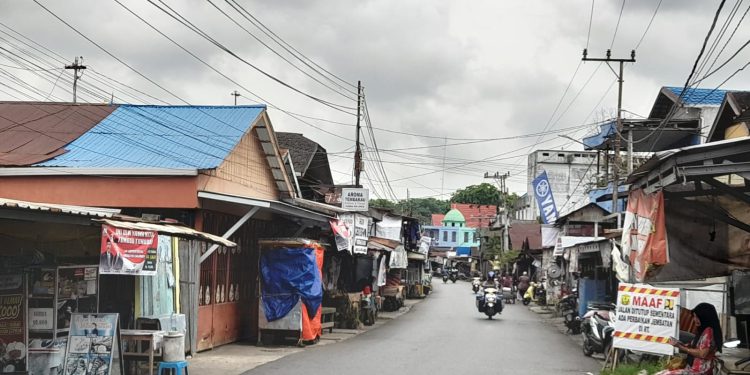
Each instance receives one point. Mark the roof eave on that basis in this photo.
(73, 171)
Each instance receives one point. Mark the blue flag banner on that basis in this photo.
(544, 199)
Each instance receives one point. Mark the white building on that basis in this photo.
(570, 174)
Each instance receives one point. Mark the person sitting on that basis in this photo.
(702, 350)
(490, 282)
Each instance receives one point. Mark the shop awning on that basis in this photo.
(174, 230)
(231, 203)
(382, 244)
(415, 256)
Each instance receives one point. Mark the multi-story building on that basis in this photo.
(453, 234)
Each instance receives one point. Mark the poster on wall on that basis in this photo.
(342, 233)
(647, 318)
(93, 345)
(12, 330)
(361, 228)
(128, 251)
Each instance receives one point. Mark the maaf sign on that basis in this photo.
(646, 318)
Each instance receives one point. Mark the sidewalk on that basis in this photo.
(547, 315)
(237, 358)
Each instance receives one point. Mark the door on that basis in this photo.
(219, 298)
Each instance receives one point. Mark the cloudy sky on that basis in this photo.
(435, 72)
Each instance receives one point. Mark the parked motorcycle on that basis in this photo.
(445, 278)
(568, 306)
(536, 293)
(475, 284)
(489, 303)
(597, 327)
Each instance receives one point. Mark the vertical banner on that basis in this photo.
(93, 345)
(646, 318)
(544, 199)
(12, 328)
(361, 229)
(644, 232)
(128, 251)
(342, 234)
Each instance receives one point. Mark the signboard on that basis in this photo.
(128, 251)
(361, 229)
(93, 345)
(424, 245)
(40, 318)
(12, 329)
(544, 199)
(647, 318)
(355, 199)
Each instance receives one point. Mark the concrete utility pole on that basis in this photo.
(358, 151)
(76, 67)
(500, 180)
(616, 171)
(235, 93)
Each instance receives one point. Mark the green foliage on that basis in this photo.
(493, 251)
(628, 369)
(419, 208)
(484, 193)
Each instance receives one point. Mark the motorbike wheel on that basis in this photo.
(526, 301)
(454, 281)
(587, 349)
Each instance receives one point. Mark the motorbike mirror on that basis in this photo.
(732, 343)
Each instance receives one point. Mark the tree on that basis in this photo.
(418, 208)
(484, 193)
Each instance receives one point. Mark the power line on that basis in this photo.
(617, 26)
(648, 27)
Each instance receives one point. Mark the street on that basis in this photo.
(445, 334)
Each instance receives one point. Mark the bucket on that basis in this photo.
(173, 349)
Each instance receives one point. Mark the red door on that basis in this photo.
(219, 317)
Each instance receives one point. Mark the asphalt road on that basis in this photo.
(446, 335)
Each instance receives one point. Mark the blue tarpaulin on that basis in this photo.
(289, 274)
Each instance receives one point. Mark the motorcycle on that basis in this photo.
(568, 306)
(453, 274)
(535, 293)
(445, 278)
(475, 284)
(489, 303)
(597, 327)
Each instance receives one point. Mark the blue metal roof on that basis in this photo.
(605, 131)
(147, 136)
(700, 96)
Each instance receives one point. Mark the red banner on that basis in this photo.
(128, 251)
(644, 233)
(12, 329)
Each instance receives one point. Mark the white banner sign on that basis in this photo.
(355, 199)
(647, 318)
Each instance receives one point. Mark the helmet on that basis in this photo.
(524, 273)
(491, 274)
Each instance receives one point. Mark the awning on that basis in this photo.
(174, 230)
(382, 244)
(565, 242)
(415, 256)
(224, 203)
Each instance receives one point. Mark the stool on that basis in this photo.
(176, 366)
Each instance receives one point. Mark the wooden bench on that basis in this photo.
(327, 318)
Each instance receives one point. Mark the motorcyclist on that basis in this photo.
(490, 282)
(523, 284)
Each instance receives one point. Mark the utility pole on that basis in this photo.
(500, 180)
(76, 67)
(358, 150)
(615, 170)
(235, 94)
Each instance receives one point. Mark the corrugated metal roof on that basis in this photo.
(176, 230)
(179, 137)
(60, 208)
(700, 96)
(32, 132)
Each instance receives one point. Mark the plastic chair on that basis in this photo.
(178, 368)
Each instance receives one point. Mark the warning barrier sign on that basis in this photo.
(646, 318)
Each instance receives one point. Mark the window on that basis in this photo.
(453, 236)
(445, 236)
(466, 237)
(476, 236)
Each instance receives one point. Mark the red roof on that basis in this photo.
(476, 215)
(33, 132)
(437, 219)
(519, 233)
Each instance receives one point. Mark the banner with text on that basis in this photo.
(12, 327)
(355, 199)
(128, 251)
(647, 318)
(544, 199)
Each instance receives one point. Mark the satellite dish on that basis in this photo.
(554, 272)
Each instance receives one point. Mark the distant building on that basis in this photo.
(308, 162)
(476, 215)
(453, 234)
(570, 175)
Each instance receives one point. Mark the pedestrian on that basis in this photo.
(702, 350)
